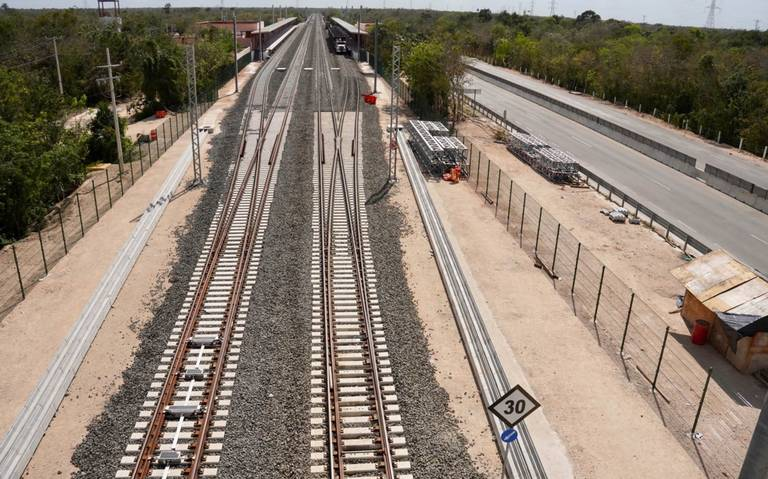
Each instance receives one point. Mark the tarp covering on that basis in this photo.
(737, 326)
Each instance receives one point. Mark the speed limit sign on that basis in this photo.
(514, 406)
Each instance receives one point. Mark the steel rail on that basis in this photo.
(149, 445)
(521, 460)
(356, 238)
(333, 438)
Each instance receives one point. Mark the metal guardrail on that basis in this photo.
(670, 230)
(521, 459)
(687, 159)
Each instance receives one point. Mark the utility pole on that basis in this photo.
(58, 67)
(273, 13)
(261, 45)
(552, 6)
(234, 45)
(376, 56)
(118, 136)
(393, 113)
(532, 5)
(755, 465)
(757, 25)
(192, 96)
(359, 20)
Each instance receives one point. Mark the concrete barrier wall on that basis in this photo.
(674, 159)
(725, 182)
(735, 187)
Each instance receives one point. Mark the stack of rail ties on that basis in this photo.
(435, 150)
(553, 164)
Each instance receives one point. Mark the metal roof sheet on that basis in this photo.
(348, 26)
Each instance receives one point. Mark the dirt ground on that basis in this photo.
(448, 356)
(642, 260)
(585, 396)
(32, 332)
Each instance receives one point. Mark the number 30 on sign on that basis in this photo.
(514, 406)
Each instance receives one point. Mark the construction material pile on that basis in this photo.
(434, 149)
(550, 162)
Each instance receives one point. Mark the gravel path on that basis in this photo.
(99, 454)
(437, 448)
(267, 432)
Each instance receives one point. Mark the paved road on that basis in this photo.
(750, 168)
(710, 216)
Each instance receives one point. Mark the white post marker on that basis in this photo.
(514, 406)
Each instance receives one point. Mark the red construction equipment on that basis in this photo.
(369, 98)
(453, 175)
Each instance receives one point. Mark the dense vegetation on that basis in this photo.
(714, 78)
(41, 160)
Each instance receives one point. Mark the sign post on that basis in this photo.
(514, 406)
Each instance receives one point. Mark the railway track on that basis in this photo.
(181, 424)
(356, 429)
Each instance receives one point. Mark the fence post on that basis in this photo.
(63, 236)
(177, 126)
(719, 133)
(165, 147)
(626, 325)
(557, 242)
(42, 251)
(498, 190)
(661, 356)
(765, 151)
(599, 293)
(653, 216)
(157, 148)
(509, 205)
(109, 188)
(538, 230)
(576, 268)
(687, 238)
(132, 180)
(701, 401)
(80, 214)
(522, 217)
(741, 143)
(120, 175)
(95, 201)
(487, 177)
(18, 272)
(669, 118)
(141, 163)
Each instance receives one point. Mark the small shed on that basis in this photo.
(733, 299)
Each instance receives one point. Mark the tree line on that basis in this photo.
(714, 78)
(41, 158)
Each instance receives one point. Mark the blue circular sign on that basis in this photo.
(510, 435)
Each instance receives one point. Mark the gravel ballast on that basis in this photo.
(267, 433)
(99, 454)
(436, 446)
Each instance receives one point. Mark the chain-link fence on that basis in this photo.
(24, 262)
(710, 424)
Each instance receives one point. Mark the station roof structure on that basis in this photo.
(348, 27)
(275, 26)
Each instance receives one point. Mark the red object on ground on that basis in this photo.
(160, 113)
(369, 98)
(153, 134)
(700, 332)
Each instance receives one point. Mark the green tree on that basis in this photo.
(101, 144)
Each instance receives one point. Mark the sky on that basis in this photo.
(731, 14)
